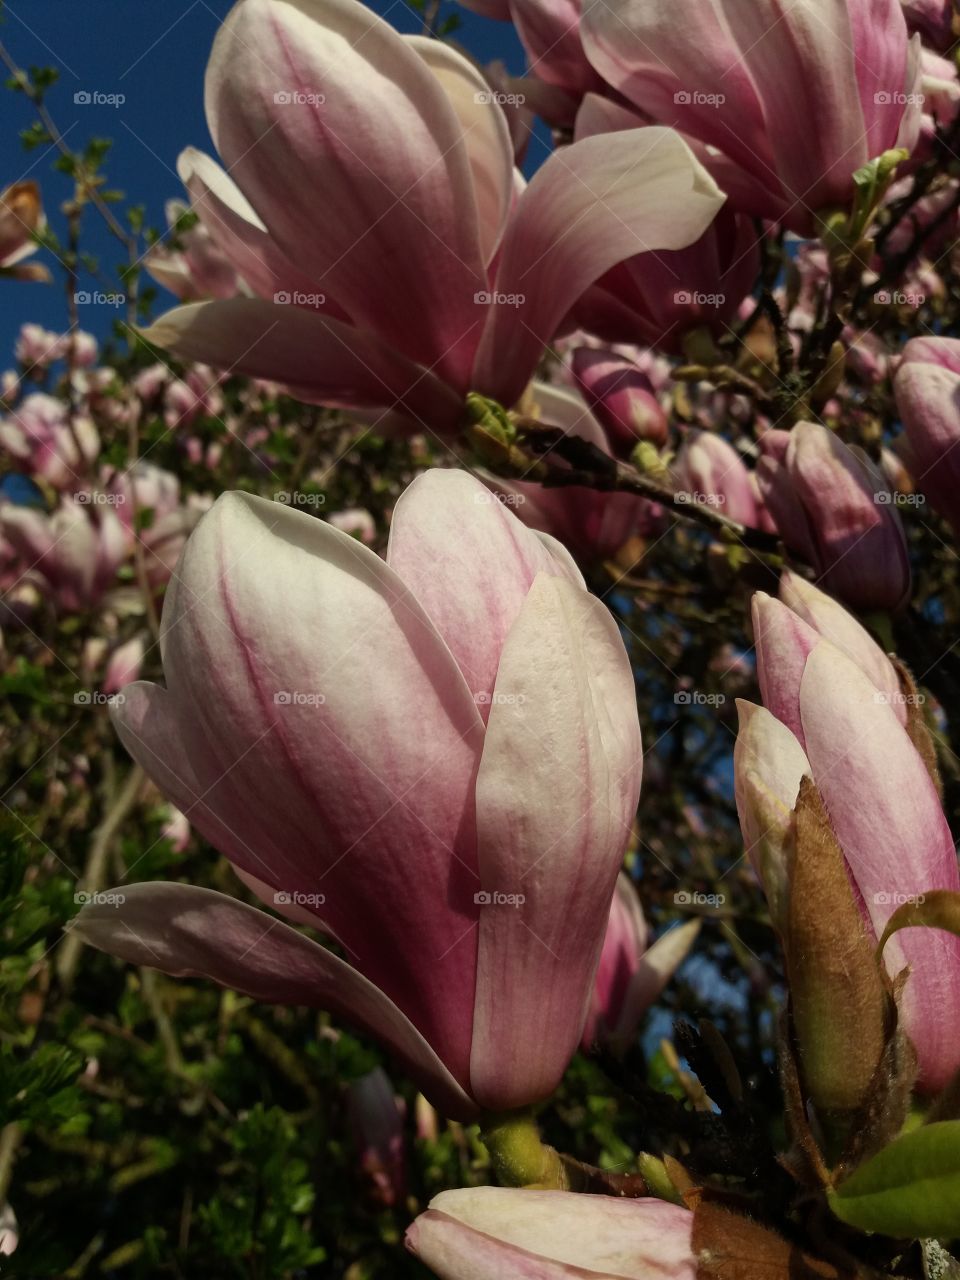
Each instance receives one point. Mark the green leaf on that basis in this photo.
(910, 1189)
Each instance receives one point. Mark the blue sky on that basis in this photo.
(154, 55)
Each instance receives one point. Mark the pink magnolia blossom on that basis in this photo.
(710, 470)
(199, 269)
(355, 521)
(21, 217)
(592, 524)
(748, 80)
(394, 263)
(935, 20)
(489, 1233)
(621, 396)
(927, 390)
(151, 511)
(832, 507)
(376, 1118)
(631, 973)
(76, 550)
(883, 808)
(38, 434)
(435, 760)
(124, 665)
(38, 348)
(660, 298)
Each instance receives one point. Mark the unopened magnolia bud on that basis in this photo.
(837, 995)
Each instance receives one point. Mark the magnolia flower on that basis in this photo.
(124, 665)
(395, 263)
(356, 521)
(21, 217)
(831, 506)
(631, 973)
(434, 760)
(488, 1233)
(39, 435)
(935, 20)
(592, 524)
(660, 298)
(746, 81)
(76, 551)
(927, 390)
(711, 471)
(549, 31)
(376, 1118)
(146, 488)
(38, 348)
(833, 724)
(199, 268)
(621, 396)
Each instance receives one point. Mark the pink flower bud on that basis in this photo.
(927, 389)
(832, 507)
(621, 397)
(489, 1233)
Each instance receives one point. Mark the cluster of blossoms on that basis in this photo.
(432, 757)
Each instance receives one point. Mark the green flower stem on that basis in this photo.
(519, 1157)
